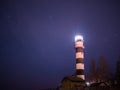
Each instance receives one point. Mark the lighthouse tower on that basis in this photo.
(79, 46)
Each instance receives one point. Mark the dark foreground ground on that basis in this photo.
(86, 88)
(77, 88)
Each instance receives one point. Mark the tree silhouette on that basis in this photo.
(100, 71)
(92, 70)
(103, 69)
(118, 72)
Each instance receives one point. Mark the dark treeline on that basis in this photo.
(100, 72)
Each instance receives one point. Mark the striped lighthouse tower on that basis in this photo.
(79, 46)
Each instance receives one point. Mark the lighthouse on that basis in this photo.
(79, 48)
(77, 80)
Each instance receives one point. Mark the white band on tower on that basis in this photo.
(79, 55)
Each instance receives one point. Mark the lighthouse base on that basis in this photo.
(72, 83)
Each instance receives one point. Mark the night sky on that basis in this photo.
(37, 38)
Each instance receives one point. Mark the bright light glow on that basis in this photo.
(87, 83)
(78, 37)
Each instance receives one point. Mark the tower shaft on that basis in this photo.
(79, 47)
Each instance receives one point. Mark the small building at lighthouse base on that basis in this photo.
(72, 83)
